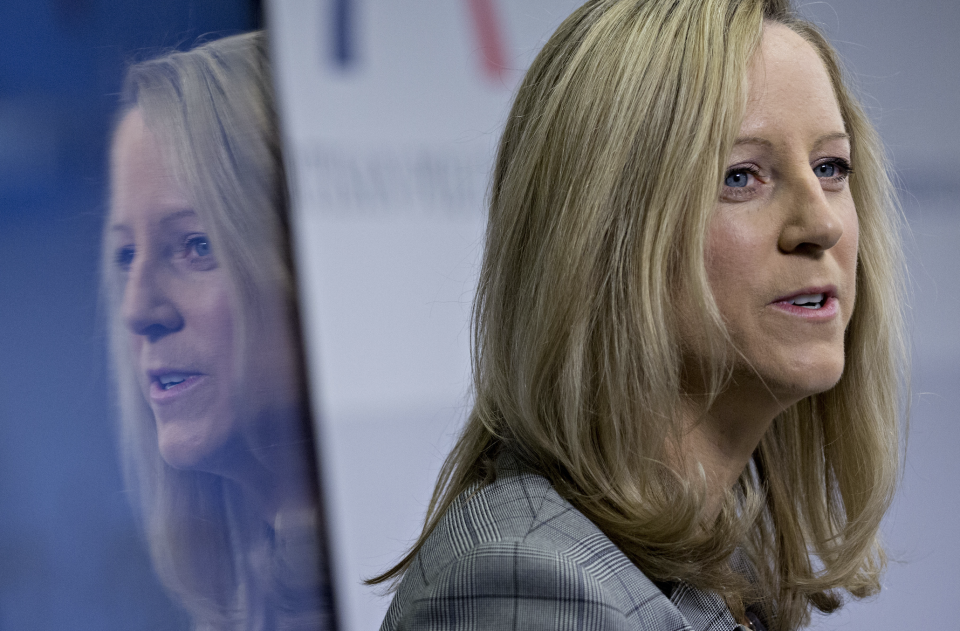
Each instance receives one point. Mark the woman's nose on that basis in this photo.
(812, 224)
(147, 308)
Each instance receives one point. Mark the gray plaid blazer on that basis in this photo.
(516, 555)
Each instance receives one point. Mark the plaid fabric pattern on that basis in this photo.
(516, 556)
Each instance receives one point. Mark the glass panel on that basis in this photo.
(212, 519)
(215, 436)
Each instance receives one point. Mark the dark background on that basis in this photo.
(71, 556)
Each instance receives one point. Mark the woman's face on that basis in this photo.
(177, 304)
(781, 249)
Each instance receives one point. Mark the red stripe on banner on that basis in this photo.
(493, 57)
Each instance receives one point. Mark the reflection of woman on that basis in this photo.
(212, 407)
(681, 419)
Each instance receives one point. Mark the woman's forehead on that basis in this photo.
(789, 89)
(142, 183)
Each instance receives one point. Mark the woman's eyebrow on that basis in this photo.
(166, 219)
(757, 140)
(839, 135)
(752, 140)
(177, 215)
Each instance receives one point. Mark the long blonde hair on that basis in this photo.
(212, 110)
(606, 176)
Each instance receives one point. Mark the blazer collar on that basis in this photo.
(703, 610)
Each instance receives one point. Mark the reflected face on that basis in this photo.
(177, 303)
(781, 250)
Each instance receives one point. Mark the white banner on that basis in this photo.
(391, 113)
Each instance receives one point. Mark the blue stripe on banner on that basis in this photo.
(343, 41)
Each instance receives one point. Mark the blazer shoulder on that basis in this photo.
(516, 552)
(519, 507)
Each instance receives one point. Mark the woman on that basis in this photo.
(688, 348)
(214, 434)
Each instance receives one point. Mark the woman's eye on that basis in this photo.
(826, 170)
(123, 257)
(833, 169)
(199, 253)
(199, 246)
(737, 179)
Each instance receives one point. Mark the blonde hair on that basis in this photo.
(607, 173)
(212, 111)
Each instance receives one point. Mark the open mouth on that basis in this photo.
(170, 380)
(809, 301)
(168, 385)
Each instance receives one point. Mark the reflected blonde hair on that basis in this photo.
(212, 111)
(607, 174)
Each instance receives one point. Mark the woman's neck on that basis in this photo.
(721, 435)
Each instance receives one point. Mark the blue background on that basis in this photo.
(71, 557)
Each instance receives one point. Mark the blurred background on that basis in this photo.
(70, 554)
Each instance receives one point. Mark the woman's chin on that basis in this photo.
(806, 383)
(187, 449)
(788, 383)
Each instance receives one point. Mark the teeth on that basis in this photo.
(169, 381)
(808, 301)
